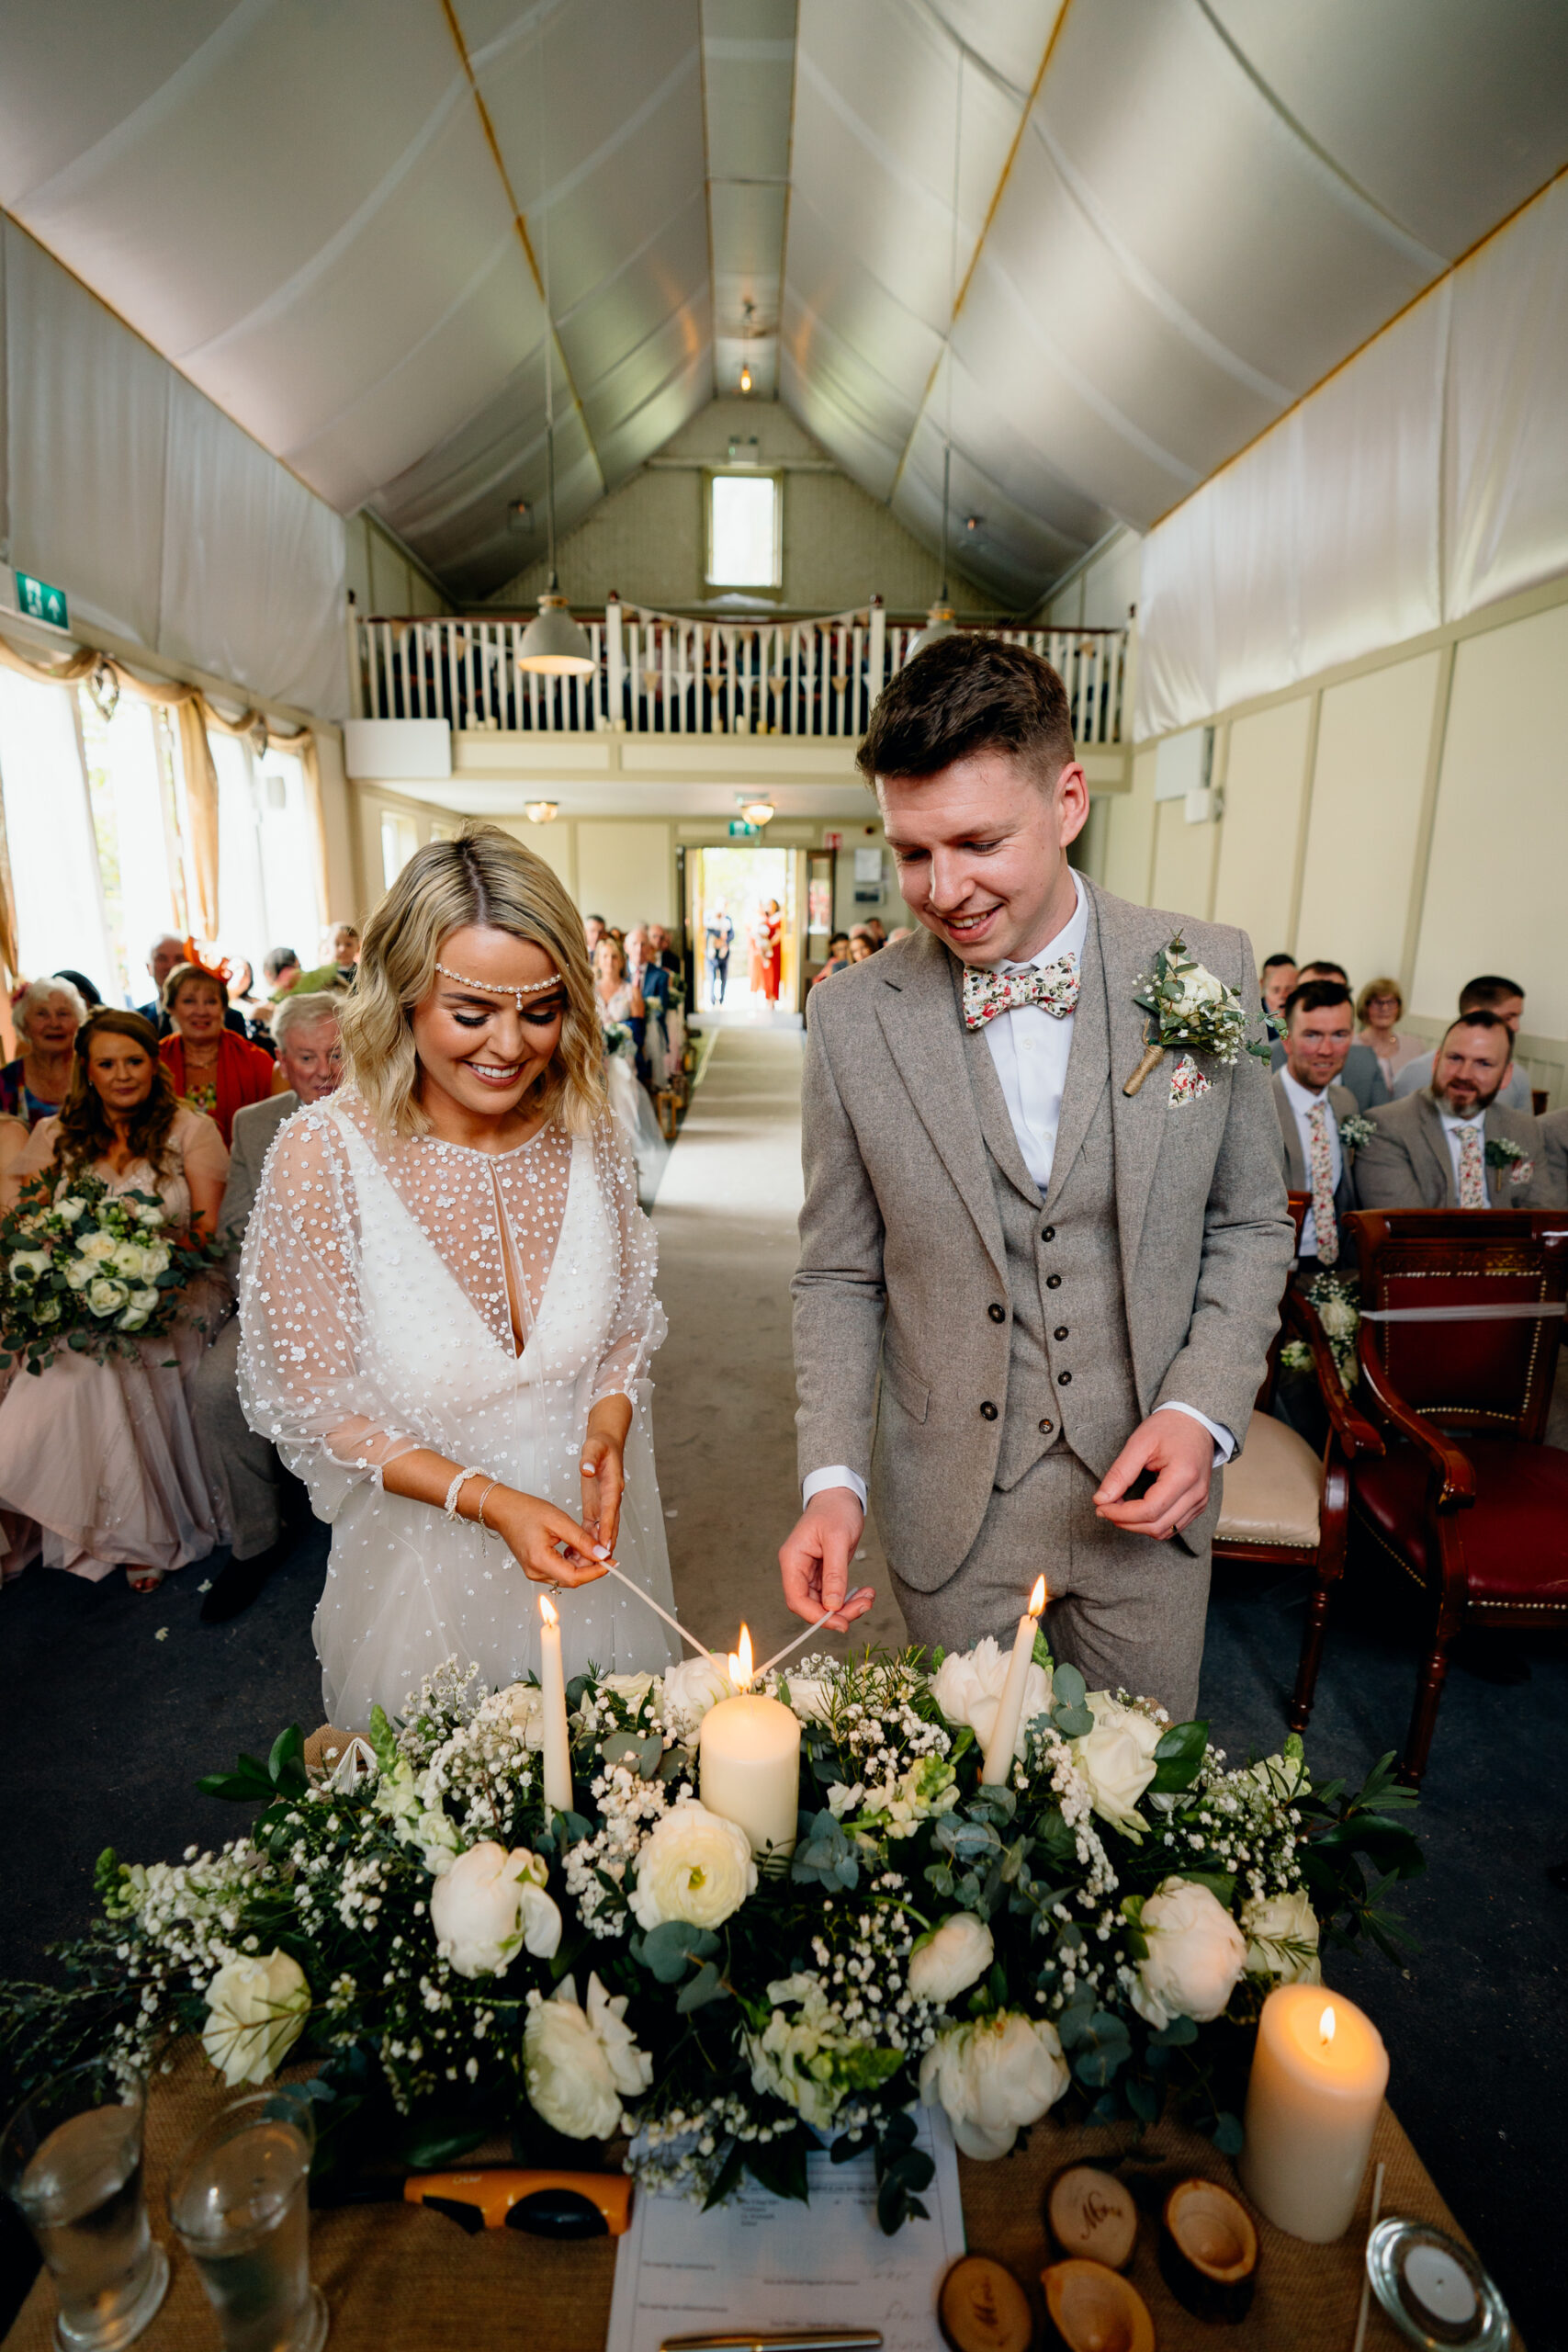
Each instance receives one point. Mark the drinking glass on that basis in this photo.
(71, 2163)
(238, 2198)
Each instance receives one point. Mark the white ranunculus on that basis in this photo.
(128, 1261)
(71, 1208)
(1281, 1938)
(255, 2013)
(105, 1296)
(96, 1247)
(489, 1904)
(29, 1266)
(1117, 1759)
(692, 1686)
(993, 2078)
(695, 1866)
(951, 1957)
(156, 1260)
(578, 2065)
(630, 1688)
(967, 1687)
(1196, 1955)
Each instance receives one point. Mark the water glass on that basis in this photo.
(238, 2198)
(71, 2163)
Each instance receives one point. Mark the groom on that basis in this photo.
(1067, 1292)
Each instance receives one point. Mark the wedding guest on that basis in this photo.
(719, 943)
(47, 1014)
(281, 967)
(862, 945)
(212, 1068)
(592, 933)
(1490, 992)
(1277, 979)
(103, 1456)
(659, 948)
(1455, 1145)
(1310, 1105)
(902, 932)
(342, 947)
(874, 931)
(618, 1000)
(1379, 1009)
(165, 952)
(91, 996)
(839, 957)
(767, 951)
(1554, 1129)
(1360, 1074)
(258, 1493)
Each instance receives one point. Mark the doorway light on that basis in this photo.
(757, 812)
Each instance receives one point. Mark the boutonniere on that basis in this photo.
(1502, 1151)
(1188, 1006)
(1356, 1132)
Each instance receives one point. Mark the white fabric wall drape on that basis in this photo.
(1426, 479)
(49, 832)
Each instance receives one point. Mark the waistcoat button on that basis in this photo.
(1049, 1234)
(1052, 1282)
(1046, 1428)
(988, 1411)
(1061, 1331)
(1064, 1379)
(997, 1314)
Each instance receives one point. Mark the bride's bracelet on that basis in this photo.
(484, 1499)
(449, 1509)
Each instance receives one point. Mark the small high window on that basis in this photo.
(745, 542)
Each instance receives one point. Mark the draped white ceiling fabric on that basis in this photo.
(1173, 218)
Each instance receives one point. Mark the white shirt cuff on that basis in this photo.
(837, 1475)
(1225, 1444)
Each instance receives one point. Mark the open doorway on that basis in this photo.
(745, 898)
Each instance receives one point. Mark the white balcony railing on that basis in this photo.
(661, 676)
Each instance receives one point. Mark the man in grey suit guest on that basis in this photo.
(1454, 1146)
(247, 1471)
(1320, 1023)
(1554, 1128)
(1488, 992)
(1065, 1289)
(1360, 1073)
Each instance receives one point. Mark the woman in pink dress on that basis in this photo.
(103, 1457)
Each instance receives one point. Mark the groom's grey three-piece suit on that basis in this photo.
(1021, 1337)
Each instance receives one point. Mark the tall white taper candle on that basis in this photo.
(552, 1684)
(999, 1755)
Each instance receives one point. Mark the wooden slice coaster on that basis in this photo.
(1208, 2251)
(1091, 2213)
(1096, 2309)
(982, 2308)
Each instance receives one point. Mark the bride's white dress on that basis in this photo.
(376, 1300)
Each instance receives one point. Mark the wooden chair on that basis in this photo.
(1482, 1525)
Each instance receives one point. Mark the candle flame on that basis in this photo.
(548, 1609)
(1325, 2024)
(741, 1660)
(1037, 1597)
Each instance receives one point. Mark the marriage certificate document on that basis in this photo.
(765, 2264)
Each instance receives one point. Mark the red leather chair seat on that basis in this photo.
(1514, 1533)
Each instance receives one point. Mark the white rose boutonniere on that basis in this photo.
(1357, 1132)
(1190, 1006)
(255, 2013)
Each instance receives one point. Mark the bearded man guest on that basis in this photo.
(1066, 1290)
(1453, 1146)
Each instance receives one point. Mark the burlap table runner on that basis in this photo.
(399, 2278)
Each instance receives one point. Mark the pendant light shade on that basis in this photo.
(553, 644)
(941, 621)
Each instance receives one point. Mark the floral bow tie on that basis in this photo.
(1053, 987)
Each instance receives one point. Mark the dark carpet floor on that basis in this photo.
(105, 1726)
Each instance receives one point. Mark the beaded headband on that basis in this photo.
(491, 988)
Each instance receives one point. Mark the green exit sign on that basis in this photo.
(740, 831)
(41, 602)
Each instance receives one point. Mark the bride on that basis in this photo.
(446, 1299)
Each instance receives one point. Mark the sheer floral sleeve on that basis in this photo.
(638, 1327)
(303, 1383)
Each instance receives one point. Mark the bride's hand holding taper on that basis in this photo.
(532, 1530)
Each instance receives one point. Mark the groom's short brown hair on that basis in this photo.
(966, 693)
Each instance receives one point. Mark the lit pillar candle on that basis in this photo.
(750, 1761)
(552, 1685)
(1318, 2078)
(999, 1754)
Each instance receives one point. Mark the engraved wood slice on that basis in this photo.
(1091, 2212)
(1096, 2309)
(982, 2308)
(1208, 2251)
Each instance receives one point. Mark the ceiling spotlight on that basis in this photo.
(541, 812)
(747, 313)
(519, 515)
(757, 812)
(973, 523)
(745, 378)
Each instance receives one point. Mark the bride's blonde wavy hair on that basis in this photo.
(482, 877)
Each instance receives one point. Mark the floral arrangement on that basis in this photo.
(90, 1270)
(618, 1038)
(1096, 1933)
(1357, 1131)
(1333, 1298)
(1190, 1006)
(1504, 1151)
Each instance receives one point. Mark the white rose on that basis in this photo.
(69, 1208)
(809, 1698)
(695, 1867)
(150, 1214)
(1196, 1954)
(156, 1260)
(630, 1688)
(522, 1705)
(95, 1246)
(953, 1957)
(1117, 1759)
(79, 1273)
(578, 2065)
(128, 1261)
(1281, 1938)
(144, 1301)
(967, 1687)
(29, 1266)
(134, 1320)
(105, 1296)
(1198, 986)
(46, 1310)
(487, 1904)
(255, 2013)
(690, 1687)
(993, 2078)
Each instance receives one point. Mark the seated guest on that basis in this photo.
(652, 982)
(838, 958)
(212, 1068)
(342, 947)
(1378, 1009)
(245, 1006)
(1555, 1127)
(862, 947)
(103, 1456)
(1454, 1146)
(243, 1466)
(874, 931)
(659, 950)
(1489, 993)
(1276, 980)
(1360, 1076)
(281, 968)
(902, 932)
(165, 952)
(592, 932)
(47, 1014)
(618, 1000)
(1310, 1105)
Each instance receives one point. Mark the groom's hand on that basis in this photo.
(815, 1560)
(1179, 1451)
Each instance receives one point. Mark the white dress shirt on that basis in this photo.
(1030, 1048)
(1300, 1099)
(1452, 1128)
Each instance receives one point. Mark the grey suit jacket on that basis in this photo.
(254, 1128)
(1343, 1104)
(1555, 1127)
(1408, 1165)
(901, 1237)
(1362, 1076)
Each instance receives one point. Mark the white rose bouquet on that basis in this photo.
(91, 1270)
(1189, 1006)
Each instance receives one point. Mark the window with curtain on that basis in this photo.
(60, 911)
(400, 839)
(242, 893)
(292, 900)
(130, 787)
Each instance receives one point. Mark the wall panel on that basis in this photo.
(1184, 857)
(1368, 776)
(625, 871)
(1264, 781)
(1129, 834)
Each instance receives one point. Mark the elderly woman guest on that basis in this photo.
(212, 1068)
(1378, 1009)
(48, 1014)
(103, 1456)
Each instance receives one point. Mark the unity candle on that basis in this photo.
(750, 1761)
(1318, 2077)
(999, 1755)
(552, 1685)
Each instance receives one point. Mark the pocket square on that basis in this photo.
(1187, 1082)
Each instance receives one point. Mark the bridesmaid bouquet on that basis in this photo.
(91, 1270)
